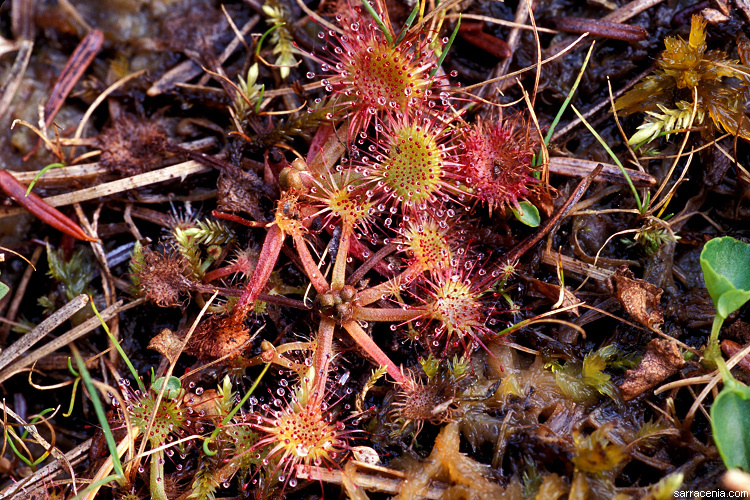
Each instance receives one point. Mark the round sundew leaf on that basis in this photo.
(173, 387)
(726, 271)
(528, 214)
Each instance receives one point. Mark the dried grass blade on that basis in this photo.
(576, 266)
(375, 479)
(39, 439)
(22, 19)
(575, 167)
(630, 10)
(13, 77)
(181, 170)
(35, 335)
(74, 334)
(72, 71)
(47, 473)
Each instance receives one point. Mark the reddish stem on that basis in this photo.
(521, 248)
(357, 249)
(370, 262)
(488, 43)
(216, 274)
(373, 350)
(338, 277)
(311, 268)
(731, 348)
(40, 208)
(615, 31)
(367, 297)
(269, 254)
(237, 219)
(323, 354)
(385, 315)
(76, 66)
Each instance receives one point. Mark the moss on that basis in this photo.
(687, 70)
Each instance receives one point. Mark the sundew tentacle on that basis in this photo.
(340, 197)
(497, 162)
(296, 427)
(412, 162)
(426, 241)
(461, 313)
(367, 76)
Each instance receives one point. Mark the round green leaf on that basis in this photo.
(3, 289)
(730, 421)
(731, 301)
(528, 214)
(173, 387)
(726, 271)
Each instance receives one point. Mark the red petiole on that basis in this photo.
(41, 209)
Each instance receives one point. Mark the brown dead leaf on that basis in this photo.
(553, 293)
(543, 201)
(662, 359)
(639, 298)
(730, 348)
(207, 402)
(218, 336)
(168, 344)
(238, 192)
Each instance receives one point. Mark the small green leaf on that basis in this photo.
(3, 289)
(528, 214)
(173, 387)
(726, 270)
(730, 422)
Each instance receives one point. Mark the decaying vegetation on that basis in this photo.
(284, 249)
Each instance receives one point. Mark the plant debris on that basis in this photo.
(661, 360)
(639, 298)
(418, 249)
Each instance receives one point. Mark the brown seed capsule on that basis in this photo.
(348, 293)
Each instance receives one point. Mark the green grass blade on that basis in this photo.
(9, 434)
(567, 100)
(447, 47)
(614, 157)
(72, 397)
(118, 347)
(35, 420)
(100, 414)
(41, 173)
(408, 23)
(229, 416)
(263, 37)
(378, 21)
(93, 486)
(260, 98)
